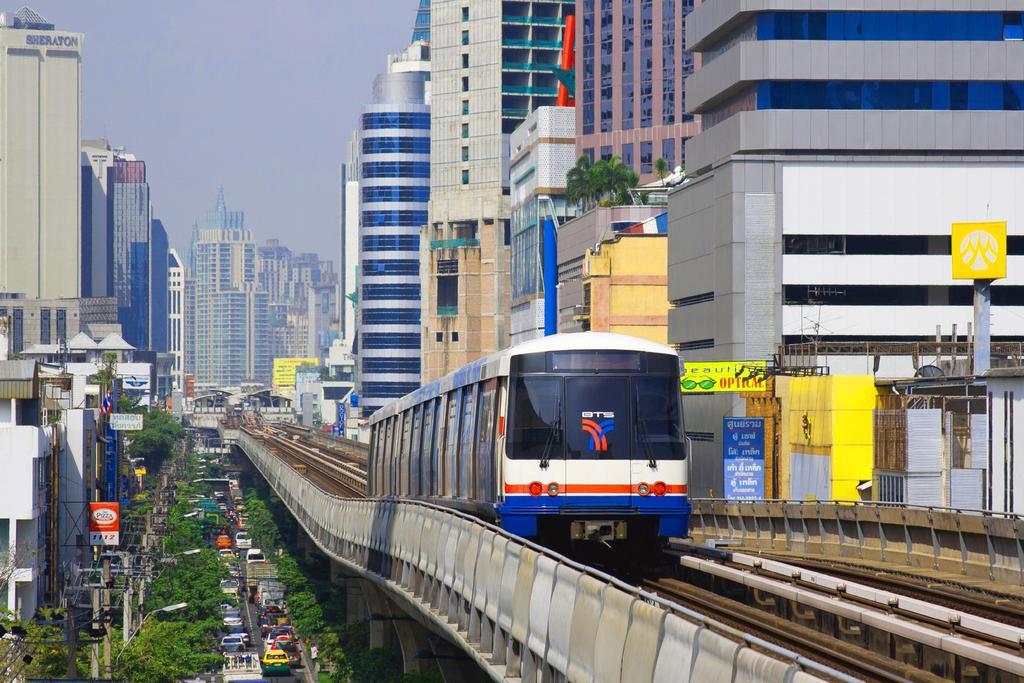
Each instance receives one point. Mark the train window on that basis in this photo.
(451, 474)
(535, 425)
(467, 444)
(485, 442)
(597, 425)
(437, 459)
(414, 449)
(588, 361)
(659, 430)
(427, 450)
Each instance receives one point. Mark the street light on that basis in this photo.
(169, 608)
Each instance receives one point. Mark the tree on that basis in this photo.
(606, 182)
(579, 186)
(661, 169)
(155, 442)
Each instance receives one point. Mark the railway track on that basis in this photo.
(349, 450)
(845, 657)
(325, 468)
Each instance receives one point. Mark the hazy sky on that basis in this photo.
(258, 95)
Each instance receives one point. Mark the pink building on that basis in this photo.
(631, 62)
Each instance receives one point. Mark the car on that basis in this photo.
(232, 622)
(223, 542)
(275, 662)
(225, 606)
(280, 631)
(230, 612)
(288, 645)
(232, 643)
(228, 554)
(242, 540)
(229, 586)
(255, 555)
(240, 632)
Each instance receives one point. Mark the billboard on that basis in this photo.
(979, 250)
(743, 457)
(723, 376)
(284, 370)
(104, 523)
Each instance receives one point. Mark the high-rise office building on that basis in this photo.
(40, 137)
(176, 339)
(158, 287)
(837, 148)
(394, 188)
(130, 220)
(630, 68)
(421, 28)
(232, 341)
(97, 244)
(492, 64)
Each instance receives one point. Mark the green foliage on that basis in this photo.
(108, 369)
(605, 183)
(155, 443)
(168, 651)
(661, 169)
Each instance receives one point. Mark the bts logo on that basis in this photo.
(598, 424)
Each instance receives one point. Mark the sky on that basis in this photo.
(256, 95)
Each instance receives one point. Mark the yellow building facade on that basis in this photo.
(625, 286)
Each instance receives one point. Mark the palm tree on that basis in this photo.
(580, 186)
(661, 169)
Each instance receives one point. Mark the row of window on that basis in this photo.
(391, 291)
(392, 365)
(396, 169)
(982, 26)
(390, 267)
(396, 145)
(391, 316)
(395, 217)
(896, 295)
(396, 193)
(411, 120)
(906, 95)
(391, 243)
(388, 389)
(390, 340)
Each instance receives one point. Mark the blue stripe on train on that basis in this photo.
(519, 512)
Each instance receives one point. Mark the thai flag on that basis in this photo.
(108, 404)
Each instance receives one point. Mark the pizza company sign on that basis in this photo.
(104, 523)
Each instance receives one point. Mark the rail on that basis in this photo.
(969, 543)
(515, 607)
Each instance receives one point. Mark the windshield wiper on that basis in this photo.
(641, 429)
(545, 461)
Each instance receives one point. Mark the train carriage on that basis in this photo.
(572, 437)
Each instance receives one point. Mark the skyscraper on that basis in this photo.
(394, 188)
(630, 70)
(158, 287)
(176, 339)
(129, 210)
(97, 245)
(421, 29)
(492, 63)
(232, 341)
(40, 124)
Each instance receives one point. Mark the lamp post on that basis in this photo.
(169, 608)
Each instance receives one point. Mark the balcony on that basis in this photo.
(447, 311)
(552, 44)
(543, 21)
(528, 90)
(455, 243)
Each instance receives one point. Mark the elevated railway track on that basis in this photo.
(335, 470)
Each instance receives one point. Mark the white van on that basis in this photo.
(255, 555)
(242, 540)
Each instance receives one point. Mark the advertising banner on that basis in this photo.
(979, 251)
(284, 370)
(743, 457)
(126, 422)
(104, 523)
(723, 376)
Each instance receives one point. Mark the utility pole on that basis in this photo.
(94, 668)
(108, 670)
(126, 612)
(71, 637)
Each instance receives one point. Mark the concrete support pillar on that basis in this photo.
(454, 665)
(380, 615)
(355, 601)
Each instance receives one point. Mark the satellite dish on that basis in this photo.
(929, 371)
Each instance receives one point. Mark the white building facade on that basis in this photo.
(176, 339)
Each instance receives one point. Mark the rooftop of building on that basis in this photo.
(24, 18)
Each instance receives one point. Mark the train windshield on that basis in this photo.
(536, 431)
(659, 430)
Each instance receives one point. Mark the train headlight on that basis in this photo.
(552, 489)
(536, 488)
(660, 489)
(643, 489)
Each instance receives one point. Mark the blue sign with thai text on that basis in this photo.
(743, 457)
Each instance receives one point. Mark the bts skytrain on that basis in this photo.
(567, 438)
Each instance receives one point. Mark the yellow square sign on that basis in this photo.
(979, 251)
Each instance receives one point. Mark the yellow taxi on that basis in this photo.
(275, 662)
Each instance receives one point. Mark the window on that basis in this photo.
(627, 155)
(465, 63)
(465, 107)
(18, 329)
(891, 95)
(388, 389)
(62, 323)
(607, 82)
(399, 291)
(628, 17)
(378, 243)
(465, 84)
(391, 365)
(396, 145)
(535, 423)
(389, 267)
(668, 152)
(465, 130)
(455, 336)
(44, 326)
(465, 153)
(646, 157)
(380, 120)
(395, 193)
(668, 61)
(465, 14)
(659, 434)
(397, 217)
(465, 176)
(465, 37)
(646, 63)
(589, 153)
(439, 337)
(447, 295)
(597, 419)
(390, 340)
(396, 169)
(923, 26)
(391, 316)
(607, 152)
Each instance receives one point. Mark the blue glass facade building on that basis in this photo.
(128, 209)
(394, 188)
(158, 257)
